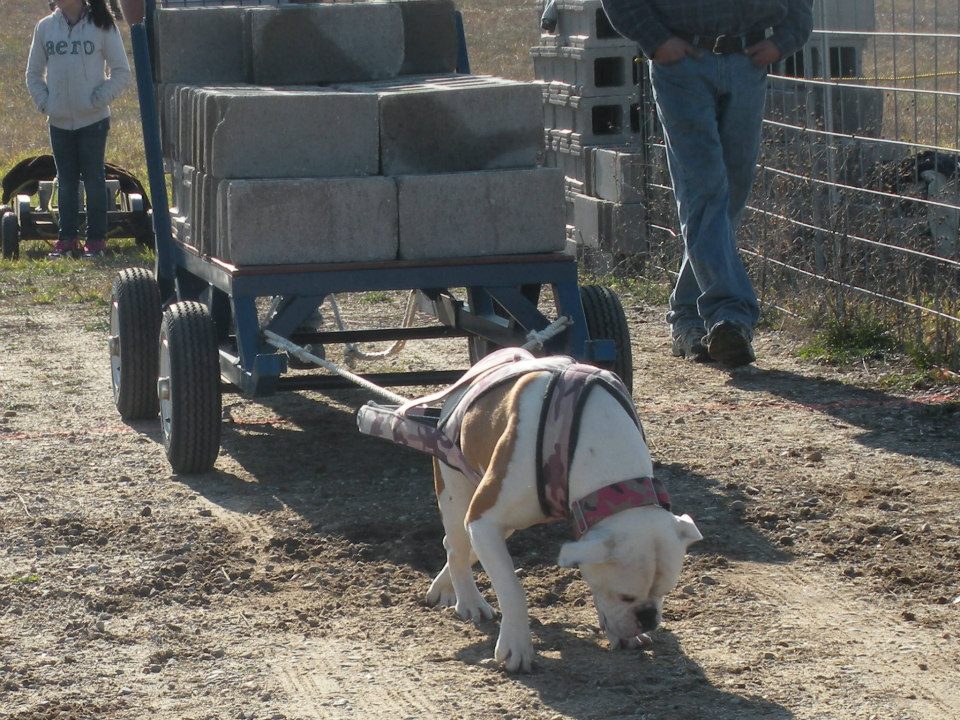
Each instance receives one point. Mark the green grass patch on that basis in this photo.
(375, 296)
(33, 279)
(849, 339)
(30, 579)
(632, 289)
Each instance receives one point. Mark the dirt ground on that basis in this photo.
(289, 582)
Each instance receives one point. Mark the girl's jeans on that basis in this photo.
(79, 154)
(711, 109)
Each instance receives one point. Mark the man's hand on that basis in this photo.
(674, 50)
(763, 53)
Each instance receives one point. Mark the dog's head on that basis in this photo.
(631, 560)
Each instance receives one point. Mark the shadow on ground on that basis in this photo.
(927, 428)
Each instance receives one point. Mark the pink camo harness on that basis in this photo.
(418, 425)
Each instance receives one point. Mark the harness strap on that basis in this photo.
(560, 427)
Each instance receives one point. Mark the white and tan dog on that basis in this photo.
(522, 441)
(630, 559)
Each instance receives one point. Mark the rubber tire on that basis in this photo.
(10, 236)
(135, 312)
(190, 367)
(607, 321)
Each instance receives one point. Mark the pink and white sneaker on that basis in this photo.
(63, 249)
(94, 248)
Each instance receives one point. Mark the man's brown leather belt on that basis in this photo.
(723, 44)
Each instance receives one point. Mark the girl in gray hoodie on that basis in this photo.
(77, 66)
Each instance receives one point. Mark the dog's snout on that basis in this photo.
(647, 617)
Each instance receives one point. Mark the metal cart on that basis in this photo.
(212, 339)
(128, 210)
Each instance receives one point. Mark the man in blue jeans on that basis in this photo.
(708, 68)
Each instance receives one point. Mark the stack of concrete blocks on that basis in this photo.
(309, 133)
(589, 77)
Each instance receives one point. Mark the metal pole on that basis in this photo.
(154, 157)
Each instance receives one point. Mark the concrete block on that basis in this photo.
(271, 133)
(456, 124)
(317, 220)
(429, 37)
(616, 174)
(183, 178)
(584, 20)
(199, 45)
(300, 44)
(182, 125)
(589, 219)
(588, 72)
(628, 229)
(498, 212)
(167, 111)
(613, 227)
(608, 120)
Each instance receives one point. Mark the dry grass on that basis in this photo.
(500, 35)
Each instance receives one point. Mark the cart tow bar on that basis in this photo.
(535, 340)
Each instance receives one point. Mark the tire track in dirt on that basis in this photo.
(851, 642)
(329, 678)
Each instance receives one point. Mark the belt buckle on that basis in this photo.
(716, 44)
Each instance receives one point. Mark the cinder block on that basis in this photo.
(166, 94)
(613, 227)
(318, 220)
(301, 44)
(584, 20)
(429, 37)
(608, 120)
(572, 164)
(589, 219)
(453, 123)
(616, 174)
(199, 45)
(183, 178)
(270, 133)
(498, 212)
(587, 72)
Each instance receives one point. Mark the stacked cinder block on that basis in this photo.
(300, 134)
(590, 84)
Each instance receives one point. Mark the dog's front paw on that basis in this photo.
(514, 650)
(475, 609)
(441, 592)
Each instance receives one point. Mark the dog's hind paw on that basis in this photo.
(515, 652)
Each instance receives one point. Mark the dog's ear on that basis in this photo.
(687, 530)
(598, 548)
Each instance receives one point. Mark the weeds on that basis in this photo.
(30, 579)
(636, 289)
(849, 339)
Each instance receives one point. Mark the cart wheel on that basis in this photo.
(10, 236)
(189, 387)
(134, 327)
(607, 321)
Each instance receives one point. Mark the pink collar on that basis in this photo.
(636, 492)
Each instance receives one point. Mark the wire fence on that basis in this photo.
(856, 205)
